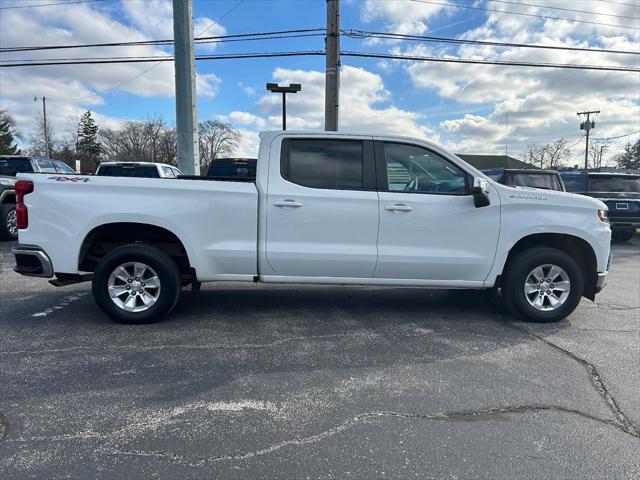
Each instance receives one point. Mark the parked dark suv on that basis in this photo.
(621, 193)
(10, 166)
(546, 179)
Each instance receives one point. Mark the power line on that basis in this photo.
(619, 136)
(611, 68)
(399, 36)
(144, 72)
(116, 60)
(199, 40)
(49, 4)
(215, 22)
(563, 9)
(637, 5)
(546, 17)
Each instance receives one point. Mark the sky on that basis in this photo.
(467, 108)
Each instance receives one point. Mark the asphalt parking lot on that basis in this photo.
(254, 381)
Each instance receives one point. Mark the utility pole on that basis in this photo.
(186, 115)
(587, 126)
(291, 88)
(332, 72)
(47, 149)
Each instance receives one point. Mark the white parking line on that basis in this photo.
(60, 305)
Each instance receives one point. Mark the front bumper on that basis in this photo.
(32, 262)
(602, 281)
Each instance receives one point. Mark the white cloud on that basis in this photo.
(71, 89)
(402, 16)
(246, 118)
(365, 104)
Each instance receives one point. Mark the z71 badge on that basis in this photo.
(59, 178)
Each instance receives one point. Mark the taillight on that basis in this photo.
(22, 187)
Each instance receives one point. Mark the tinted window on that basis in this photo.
(11, 166)
(614, 184)
(233, 168)
(146, 171)
(64, 168)
(335, 164)
(415, 169)
(575, 183)
(46, 166)
(535, 180)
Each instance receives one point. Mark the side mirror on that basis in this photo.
(480, 192)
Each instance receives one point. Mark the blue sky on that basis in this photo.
(461, 106)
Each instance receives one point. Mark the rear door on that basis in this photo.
(429, 226)
(322, 208)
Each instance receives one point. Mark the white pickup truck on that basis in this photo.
(325, 208)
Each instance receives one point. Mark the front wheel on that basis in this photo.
(136, 284)
(543, 285)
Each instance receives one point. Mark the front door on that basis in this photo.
(322, 209)
(429, 226)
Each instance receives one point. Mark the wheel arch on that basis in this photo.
(102, 239)
(576, 247)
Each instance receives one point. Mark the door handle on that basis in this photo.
(287, 203)
(398, 208)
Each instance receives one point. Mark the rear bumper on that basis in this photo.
(32, 262)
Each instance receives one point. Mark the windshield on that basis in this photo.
(535, 180)
(12, 166)
(614, 184)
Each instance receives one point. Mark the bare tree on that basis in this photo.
(37, 139)
(216, 140)
(596, 153)
(549, 155)
(150, 140)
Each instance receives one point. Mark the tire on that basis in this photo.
(8, 229)
(622, 235)
(520, 272)
(156, 286)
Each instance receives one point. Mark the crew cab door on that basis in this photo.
(429, 226)
(321, 208)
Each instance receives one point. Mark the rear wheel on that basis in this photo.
(543, 285)
(8, 226)
(136, 284)
(622, 235)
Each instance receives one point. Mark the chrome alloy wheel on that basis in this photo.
(134, 287)
(12, 226)
(547, 287)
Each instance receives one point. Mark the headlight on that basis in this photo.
(602, 215)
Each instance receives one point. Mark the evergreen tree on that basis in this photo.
(630, 158)
(88, 146)
(7, 145)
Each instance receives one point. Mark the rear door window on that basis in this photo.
(322, 163)
(167, 172)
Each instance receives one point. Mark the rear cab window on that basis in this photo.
(12, 166)
(328, 163)
(141, 171)
(614, 184)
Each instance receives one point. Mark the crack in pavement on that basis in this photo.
(622, 421)
(465, 415)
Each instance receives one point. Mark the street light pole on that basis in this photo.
(291, 88)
